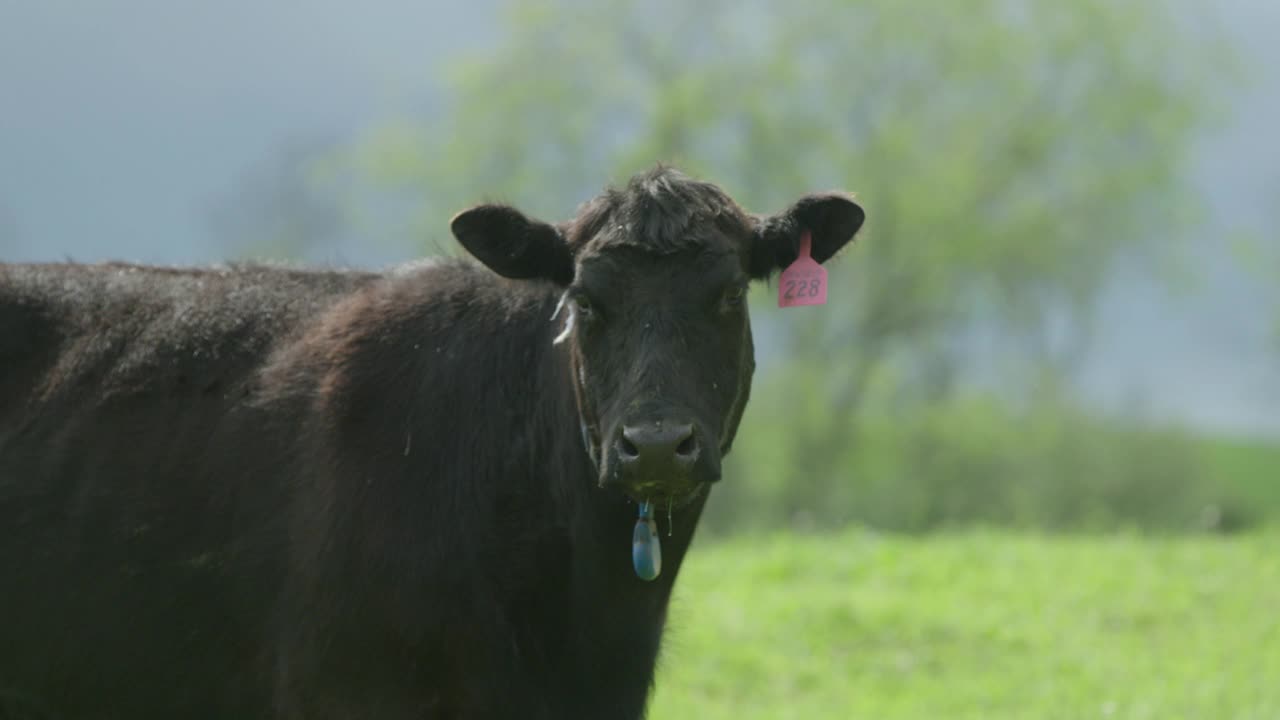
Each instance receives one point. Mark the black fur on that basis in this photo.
(253, 492)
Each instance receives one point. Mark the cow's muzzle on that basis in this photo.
(661, 461)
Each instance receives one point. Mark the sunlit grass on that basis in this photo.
(975, 626)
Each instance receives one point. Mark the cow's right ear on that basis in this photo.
(513, 245)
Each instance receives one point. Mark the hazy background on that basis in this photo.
(127, 126)
(1072, 221)
(1034, 432)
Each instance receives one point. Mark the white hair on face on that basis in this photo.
(568, 324)
(582, 423)
(560, 305)
(586, 443)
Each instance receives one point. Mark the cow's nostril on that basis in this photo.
(687, 447)
(627, 449)
(652, 445)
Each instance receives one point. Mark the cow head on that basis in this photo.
(653, 312)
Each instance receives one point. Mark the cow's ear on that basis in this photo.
(832, 219)
(513, 245)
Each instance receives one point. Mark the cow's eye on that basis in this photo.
(733, 296)
(582, 305)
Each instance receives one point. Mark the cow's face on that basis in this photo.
(654, 317)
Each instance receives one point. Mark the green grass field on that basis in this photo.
(978, 625)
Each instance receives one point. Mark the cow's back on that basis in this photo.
(141, 523)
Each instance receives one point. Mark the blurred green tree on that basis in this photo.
(1269, 264)
(1008, 153)
(1258, 253)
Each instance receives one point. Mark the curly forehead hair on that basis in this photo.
(662, 211)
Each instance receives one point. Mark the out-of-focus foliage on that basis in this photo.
(972, 459)
(1007, 152)
(1270, 265)
(1259, 255)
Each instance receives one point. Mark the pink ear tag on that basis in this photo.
(804, 282)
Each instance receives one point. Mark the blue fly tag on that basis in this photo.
(646, 550)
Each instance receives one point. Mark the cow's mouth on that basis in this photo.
(646, 536)
(666, 498)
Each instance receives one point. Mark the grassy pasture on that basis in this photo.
(975, 625)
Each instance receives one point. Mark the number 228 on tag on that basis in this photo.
(804, 282)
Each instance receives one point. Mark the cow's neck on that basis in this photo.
(617, 618)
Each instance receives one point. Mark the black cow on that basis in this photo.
(255, 492)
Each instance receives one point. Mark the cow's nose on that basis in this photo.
(658, 447)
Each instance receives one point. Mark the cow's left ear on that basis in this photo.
(832, 219)
(513, 245)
